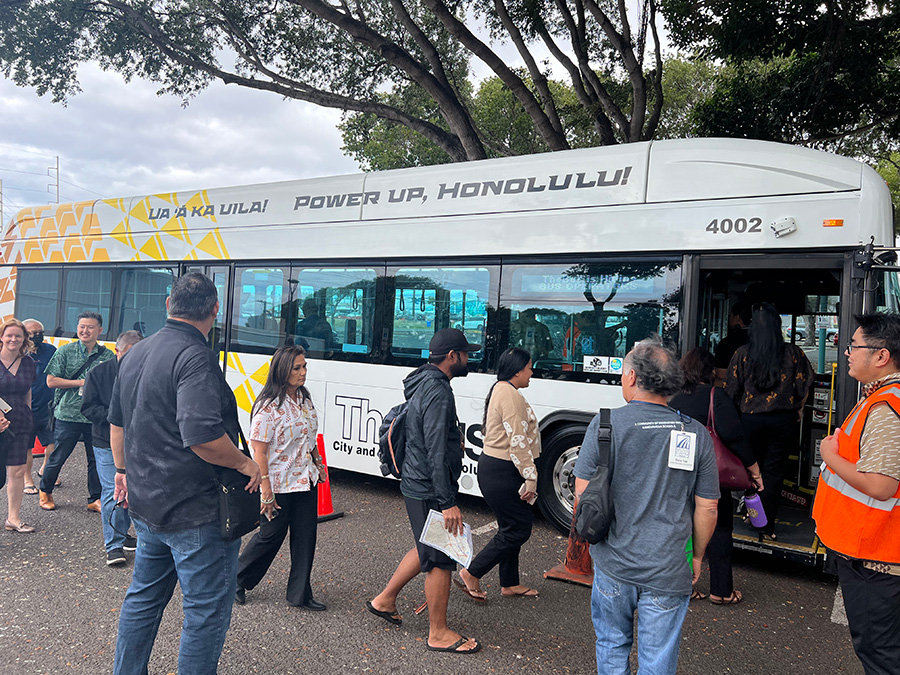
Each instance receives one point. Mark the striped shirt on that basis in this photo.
(879, 450)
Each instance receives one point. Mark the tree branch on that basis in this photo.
(287, 88)
(537, 75)
(456, 115)
(457, 29)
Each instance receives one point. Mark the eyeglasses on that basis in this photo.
(849, 348)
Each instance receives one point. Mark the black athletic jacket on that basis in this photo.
(433, 461)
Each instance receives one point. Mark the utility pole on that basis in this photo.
(50, 185)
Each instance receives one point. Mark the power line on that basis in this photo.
(81, 187)
(30, 173)
(28, 152)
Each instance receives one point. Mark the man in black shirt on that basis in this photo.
(98, 389)
(172, 418)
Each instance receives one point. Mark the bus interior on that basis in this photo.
(807, 298)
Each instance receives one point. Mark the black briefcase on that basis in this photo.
(238, 508)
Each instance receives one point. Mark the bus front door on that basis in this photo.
(807, 292)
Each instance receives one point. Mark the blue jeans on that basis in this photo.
(67, 435)
(206, 566)
(659, 627)
(115, 521)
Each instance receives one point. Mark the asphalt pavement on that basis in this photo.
(59, 605)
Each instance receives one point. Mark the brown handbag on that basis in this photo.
(732, 474)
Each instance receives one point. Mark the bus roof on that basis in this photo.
(652, 196)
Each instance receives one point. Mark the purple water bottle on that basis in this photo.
(755, 509)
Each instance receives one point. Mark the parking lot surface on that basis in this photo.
(59, 605)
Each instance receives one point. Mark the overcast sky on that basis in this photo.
(117, 140)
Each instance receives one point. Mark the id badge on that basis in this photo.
(4, 406)
(682, 448)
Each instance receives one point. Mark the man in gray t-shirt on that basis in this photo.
(665, 488)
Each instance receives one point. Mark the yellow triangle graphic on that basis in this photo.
(210, 245)
(152, 248)
(261, 374)
(244, 397)
(140, 212)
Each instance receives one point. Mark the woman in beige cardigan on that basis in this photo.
(507, 476)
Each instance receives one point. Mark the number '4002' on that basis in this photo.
(738, 225)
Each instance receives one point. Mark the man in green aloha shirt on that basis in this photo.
(65, 373)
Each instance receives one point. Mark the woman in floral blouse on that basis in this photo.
(507, 476)
(283, 431)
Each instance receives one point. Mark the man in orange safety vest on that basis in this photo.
(857, 508)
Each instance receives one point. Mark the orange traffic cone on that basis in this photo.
(578, 568)
(326, 508)
(38, 450)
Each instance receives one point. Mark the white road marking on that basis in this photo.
(838, 613)
(484, 529)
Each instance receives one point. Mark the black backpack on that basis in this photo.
(392, 441)
(594, 514)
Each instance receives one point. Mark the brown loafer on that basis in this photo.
(45, 500)
(94, 506)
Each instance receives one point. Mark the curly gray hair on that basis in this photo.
(656, 367)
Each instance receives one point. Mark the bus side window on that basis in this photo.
(37, 295)
(143, 298)
(84, 290)
(585, 317)
(332, 310)
(427, 300)
(257, 319)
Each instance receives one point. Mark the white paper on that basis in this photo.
(533, 496)
(4, 406)
(457, 546)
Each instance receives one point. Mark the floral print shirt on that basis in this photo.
(512, 433)
(789, 392)
(290, 430)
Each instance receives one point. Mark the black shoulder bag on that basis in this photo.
(594, 514)
(238, 507)
(78, 373)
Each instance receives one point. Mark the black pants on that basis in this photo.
(872, 601)
(500, 481)
(774, 436)
(299, 512)
(718, 551)
(67, 436)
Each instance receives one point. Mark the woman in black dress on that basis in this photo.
(16, 377)
(699, 367)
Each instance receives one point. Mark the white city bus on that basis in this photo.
(572, 255)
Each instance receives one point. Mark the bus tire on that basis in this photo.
(556, 482)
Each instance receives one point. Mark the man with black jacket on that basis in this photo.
(430, 477)
(98, 389)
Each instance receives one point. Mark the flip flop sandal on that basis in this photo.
(31, 489)
(461, 585)
(527, 593)
(391, 617)
(697, 595)
(732, 599)
(455, 647)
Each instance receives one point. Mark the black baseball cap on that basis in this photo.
(448, 340)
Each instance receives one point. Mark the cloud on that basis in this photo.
(118, 139)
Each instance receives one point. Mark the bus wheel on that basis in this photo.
(556, 482)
